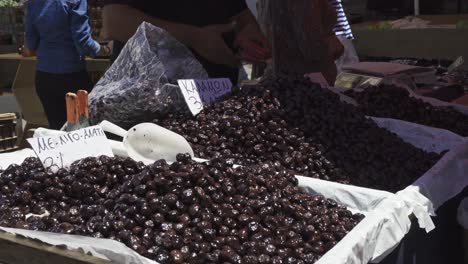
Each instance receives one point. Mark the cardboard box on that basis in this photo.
(8, 136)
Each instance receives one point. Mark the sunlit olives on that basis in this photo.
(394, 102)
(300, 126)
(261, 218)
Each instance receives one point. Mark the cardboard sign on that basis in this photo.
(200, 93)
(59, 152)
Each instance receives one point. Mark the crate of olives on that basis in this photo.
(428, 124)
(190, 212)
(309, 130)
(447, 178)
(391, 101)
(284, 124)
(8, 137)
(306, 129)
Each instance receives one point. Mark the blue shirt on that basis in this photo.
(60, 33)
(342, 27)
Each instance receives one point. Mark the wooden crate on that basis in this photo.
(19, 250)
(8, 137)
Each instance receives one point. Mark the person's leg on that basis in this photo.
(52, 88)
(78, 81)
(116, 49)
(52, 96)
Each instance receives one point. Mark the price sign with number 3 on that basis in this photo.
(198, 93)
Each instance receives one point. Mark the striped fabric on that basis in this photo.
(342, 28)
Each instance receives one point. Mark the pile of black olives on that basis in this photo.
(185, 212)
(394, 102)
(458, 76)
(305, 128)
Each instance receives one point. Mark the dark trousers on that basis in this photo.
(52, 88)
(116, 49)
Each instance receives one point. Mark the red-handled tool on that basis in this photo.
(72, 112)
(77, 110)
(83, 108)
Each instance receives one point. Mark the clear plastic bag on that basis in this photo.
(349, 56)
(140, 85)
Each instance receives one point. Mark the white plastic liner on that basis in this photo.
(427, 138)
(15, 157)
(449, 176)
(387, 220)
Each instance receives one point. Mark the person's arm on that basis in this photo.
(81, 31)
(250, 39)
(31, 36)
(207, 41)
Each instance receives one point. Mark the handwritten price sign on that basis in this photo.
(61, 151)
(199, 93)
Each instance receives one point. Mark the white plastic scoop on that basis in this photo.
(149, 142)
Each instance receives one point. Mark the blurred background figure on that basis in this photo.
(59, 31)
(343, 32)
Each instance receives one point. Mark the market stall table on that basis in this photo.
(420, 43)
(24, 86)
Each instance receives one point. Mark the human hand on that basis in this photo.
(253, 46)
(209, 43)
(25, 52)
(104, 51)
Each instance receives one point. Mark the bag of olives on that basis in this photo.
(139, 84)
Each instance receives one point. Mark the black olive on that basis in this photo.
(295, 124)
(261, 218)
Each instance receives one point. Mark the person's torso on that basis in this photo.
(56, 52)
(198, 13)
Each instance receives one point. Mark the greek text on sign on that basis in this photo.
(59, 152)
(199, 93)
